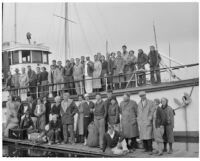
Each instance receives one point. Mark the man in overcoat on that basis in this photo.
(128, 110)
(68, 110)
(146, 110)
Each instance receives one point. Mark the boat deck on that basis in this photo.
(179, 150)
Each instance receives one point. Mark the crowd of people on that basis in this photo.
(115, 127)
(79, 76)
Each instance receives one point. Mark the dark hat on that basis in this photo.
(124, 46)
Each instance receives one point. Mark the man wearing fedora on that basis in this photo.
(146, 109)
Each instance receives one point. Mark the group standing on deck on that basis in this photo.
(113, 126)
(82, 75)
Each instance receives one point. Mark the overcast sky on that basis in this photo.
(119, 23)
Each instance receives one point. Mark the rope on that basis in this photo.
(100, 37)
(173, 75)
(105, 25)
(84, 35)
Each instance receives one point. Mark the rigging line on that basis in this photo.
(95, 27)
(86, 41)
(64, 18)
(105, 25)
(51, 25)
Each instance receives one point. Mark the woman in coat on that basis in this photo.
(118, 78)
(130, 67)
(96, 84)
(146, 110)
(128, 110)
(113, 113)
(40, 114)
(168, 125)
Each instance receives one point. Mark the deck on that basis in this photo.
(179, 150)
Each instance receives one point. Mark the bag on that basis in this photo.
(17, 134)
(93, 136)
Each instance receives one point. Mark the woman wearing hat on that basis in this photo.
(168, 125)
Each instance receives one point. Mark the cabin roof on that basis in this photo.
(15, 47)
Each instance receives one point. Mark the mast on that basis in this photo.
(154, 30)
(66, 32)
(106, 49)
(15, 25)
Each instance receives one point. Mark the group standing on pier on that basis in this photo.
(112, 126)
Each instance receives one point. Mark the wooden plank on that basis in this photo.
(78, 148)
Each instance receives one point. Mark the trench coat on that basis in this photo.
(96, 83)
(41, 119)
(129, 124)
(145, 119)
(80, 119)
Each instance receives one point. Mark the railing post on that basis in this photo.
(136, 85)
(37, 91)
(18, 93)
(106, 83)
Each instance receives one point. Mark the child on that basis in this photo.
(158, 128)
(54, 130)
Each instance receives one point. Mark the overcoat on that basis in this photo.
(145, 119)
(67, 113)
(129, 124)
(96, 83)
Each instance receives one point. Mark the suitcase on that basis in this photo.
(16, 133)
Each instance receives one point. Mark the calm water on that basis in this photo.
(12, 150)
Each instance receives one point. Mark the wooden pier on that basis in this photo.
(80, 149)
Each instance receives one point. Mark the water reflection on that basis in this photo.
(11, 150)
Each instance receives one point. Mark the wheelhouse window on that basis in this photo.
(37, 56)
(26, 56)
(15, 57)
(45, 58)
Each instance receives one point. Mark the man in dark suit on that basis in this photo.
(48, 108)
(44, 82)
(68, 110)
(90, 105)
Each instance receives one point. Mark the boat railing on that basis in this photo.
(123, 81)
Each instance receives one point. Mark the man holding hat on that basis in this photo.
(146, 110)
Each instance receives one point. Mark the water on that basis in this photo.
(12, 150)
